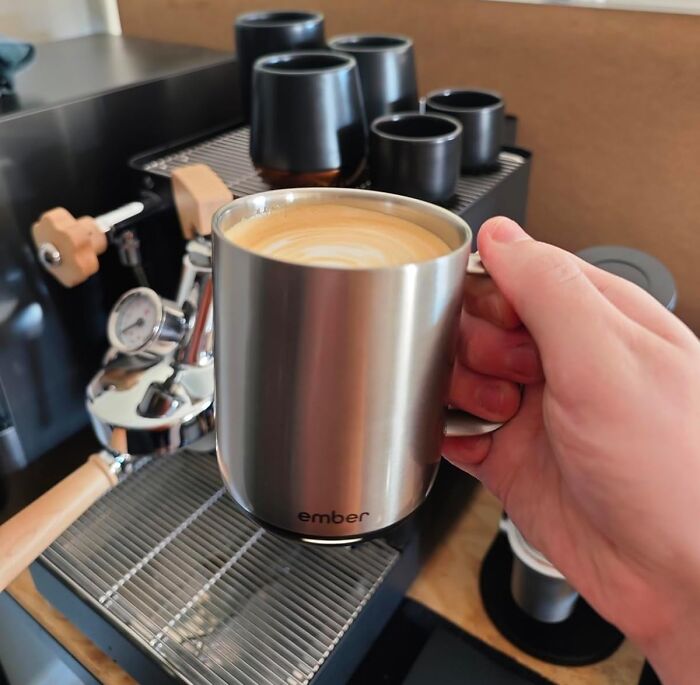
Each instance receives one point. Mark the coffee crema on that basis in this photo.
(336, 235)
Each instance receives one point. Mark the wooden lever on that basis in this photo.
(198, 192)
(68, 246)
(29, 532)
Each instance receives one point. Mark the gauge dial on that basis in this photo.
(135, 320)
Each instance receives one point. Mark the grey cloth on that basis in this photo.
(14, 55)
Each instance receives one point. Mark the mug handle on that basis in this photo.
(460, 424)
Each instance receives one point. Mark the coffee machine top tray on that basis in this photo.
(210, 596)
(227, 154)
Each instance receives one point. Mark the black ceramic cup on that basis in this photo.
(387, 71)
(264, 33)
(481, 114)
(307, 123)
(416, 154)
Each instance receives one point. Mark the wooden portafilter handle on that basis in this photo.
(29, 532)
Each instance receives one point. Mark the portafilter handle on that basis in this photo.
(29, 532)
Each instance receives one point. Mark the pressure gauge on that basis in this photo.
(141, 321)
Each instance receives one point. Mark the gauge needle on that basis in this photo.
(138, 322)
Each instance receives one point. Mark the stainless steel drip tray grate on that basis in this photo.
(167, 558)
(227, 154)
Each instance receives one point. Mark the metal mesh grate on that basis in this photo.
(227, 154)
(216, 599)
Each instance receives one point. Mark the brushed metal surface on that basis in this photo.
(168, 559)
(331, 383)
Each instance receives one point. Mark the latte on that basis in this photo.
(336, 235)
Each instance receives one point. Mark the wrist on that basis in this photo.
(674, 648)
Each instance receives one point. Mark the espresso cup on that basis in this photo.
(331, 382)
(264, 33)
(387, 71)
(307, 126)
(416, 154)
(481, 114)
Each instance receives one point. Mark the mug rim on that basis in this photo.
(403, 42)
(252, 19)
(266, 63)
(453, 108)
(455, 220)
(400, 116)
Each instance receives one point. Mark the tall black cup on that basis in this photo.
(481, 114)
(307, 125)
(263, 33)
(415, 154)
(387, 71)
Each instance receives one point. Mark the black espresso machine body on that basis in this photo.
(163, 572)
(176, 584)
(80, 111)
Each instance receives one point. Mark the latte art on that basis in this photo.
(337, 236)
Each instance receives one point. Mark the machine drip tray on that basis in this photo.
(210, 597)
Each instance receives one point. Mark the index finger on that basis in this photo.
(483, 299)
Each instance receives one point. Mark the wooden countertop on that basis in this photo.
(448, 584)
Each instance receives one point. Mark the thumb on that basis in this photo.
(564, 312)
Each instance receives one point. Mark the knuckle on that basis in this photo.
(555, 267)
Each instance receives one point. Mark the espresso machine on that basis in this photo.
(163, 571)
(160, 568)
(79, 111)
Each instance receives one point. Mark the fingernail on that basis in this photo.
(524, 360)
(490, 396)
(507, 231)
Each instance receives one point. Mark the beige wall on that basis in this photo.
(609, 102)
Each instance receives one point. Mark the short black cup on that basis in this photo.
(481, 114)
(264, 33)
(416, 154)
(307, 124)
(387, 71)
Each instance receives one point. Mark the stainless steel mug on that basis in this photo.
(482, 115)
(331, 382)
(308, 124)
(416, 154)
(387, 71)
(264, 33)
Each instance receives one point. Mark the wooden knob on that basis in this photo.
(28, 533)
(68, 246)
(198, 193)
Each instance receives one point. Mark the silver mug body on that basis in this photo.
(331, 383)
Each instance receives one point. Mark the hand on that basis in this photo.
(600, 466)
